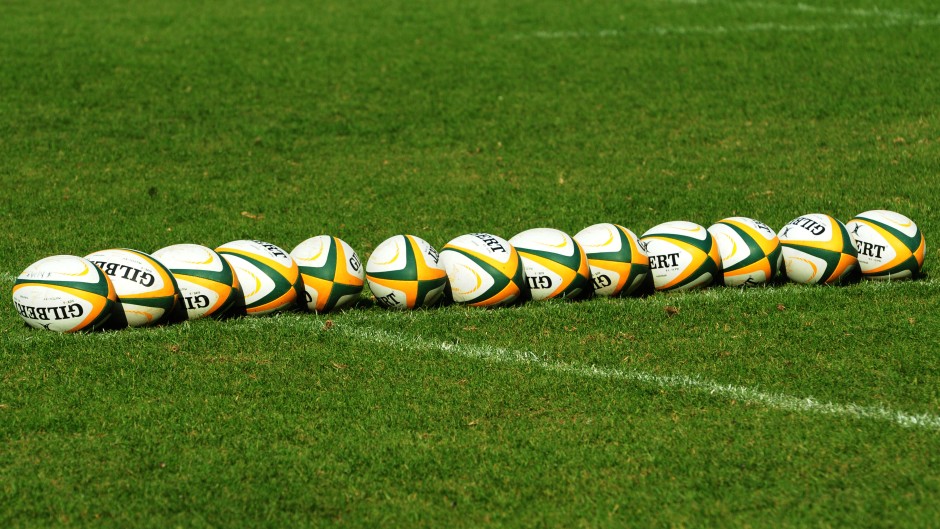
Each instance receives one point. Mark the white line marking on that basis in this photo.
(873, 12)
(756, 27)
(779, 401)
(884, 18)
(4, 276)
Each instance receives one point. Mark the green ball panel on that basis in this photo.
(756, 253)
(912, 242)
(281, 284)
(708, 267)
(571, 261)
(828, 256)
(500, 280)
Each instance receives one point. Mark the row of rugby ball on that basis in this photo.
(121, 287)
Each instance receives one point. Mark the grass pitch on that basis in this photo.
(158, 123)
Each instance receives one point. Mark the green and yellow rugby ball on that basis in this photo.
(483, 270)
(269, 277)
(889, 245)
(146, 289)
(332, 273)
(817, 250)
(683, 256)
(403, 273)
(207, 283)
(555, 264)
(618, 265)
(750, 251)
(65, 293)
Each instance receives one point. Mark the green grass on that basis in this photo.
(159, 123)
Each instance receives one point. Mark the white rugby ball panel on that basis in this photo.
(600, 238)
(543, 282)
(427, 253)
(390, 298)
(485, 245)
(389, 256)
(270, 254)
(875, 248)
(468, 280)
(804, 267)
(68, 268)
(816, 229)
(754, 226)
(313, 252)
(547, 240)
(255, 283)
(732, 246)
(57, 309)
(132, 273)
(680, 227)
(892, 219)
(190, 257)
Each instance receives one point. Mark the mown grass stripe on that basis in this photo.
(779, 401)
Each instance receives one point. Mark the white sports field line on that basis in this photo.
(871, 12)
(359, 330)
(877, 18)
(779, 401)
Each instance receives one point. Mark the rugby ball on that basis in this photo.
(146, 289)
(483, 270)
(64, 293)
(555, 265)
(618, 265)
(889, 245)
(817, 249)
(207, 283)
(403, 273)
(331, 271)
(269, 277)
(750, 251)
(683, 256)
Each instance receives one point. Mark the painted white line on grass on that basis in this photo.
(883, 18)
(4, 276)
(872, 12)
(757, 27)
(779, 401)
